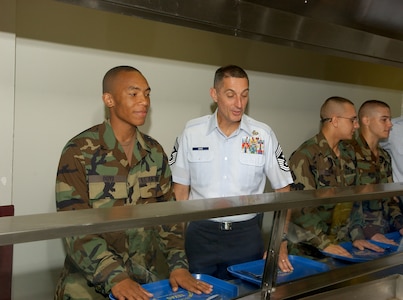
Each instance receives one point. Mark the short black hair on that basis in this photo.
(111, 74)
(229, 71)
(371, 104)
(326, 108)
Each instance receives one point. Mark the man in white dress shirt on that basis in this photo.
(221, 155)
(394, 145)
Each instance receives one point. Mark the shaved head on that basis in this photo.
(333, 106)
(368, 108)
(112, 74)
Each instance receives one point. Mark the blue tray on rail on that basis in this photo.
(162, 290)
(253, 271)
(367, 254)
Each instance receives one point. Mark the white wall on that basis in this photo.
(52, 91)
(58, 94)
(7, 61)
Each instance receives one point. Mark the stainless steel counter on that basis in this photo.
(348, 275)
(21, 229)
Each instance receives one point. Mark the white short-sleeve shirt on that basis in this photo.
(394, 145)
(214, 165)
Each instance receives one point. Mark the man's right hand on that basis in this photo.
(337, 250)
(283, 262)
(378, 237)
(128, 289)
(364, 244)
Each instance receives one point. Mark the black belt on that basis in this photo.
(227, 226)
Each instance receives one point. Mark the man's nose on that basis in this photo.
(144, 100)
(238, 101)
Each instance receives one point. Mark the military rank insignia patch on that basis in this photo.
(174, 153)
(282, 162)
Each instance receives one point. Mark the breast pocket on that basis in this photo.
(326, 177)
(252, 168)
(200, 165)
(102, 189)
(149, 187)
(350, 177)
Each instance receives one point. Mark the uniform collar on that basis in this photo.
(361, 141)
(324, 144)
(321, 139)
(108, 137)
(213, 124)
(366, 150)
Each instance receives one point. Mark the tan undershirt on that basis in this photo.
(128, 148)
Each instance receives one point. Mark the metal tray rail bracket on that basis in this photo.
(270, 269)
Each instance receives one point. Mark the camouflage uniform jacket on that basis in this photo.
(373, 216)
(94, 172)
(314, 165)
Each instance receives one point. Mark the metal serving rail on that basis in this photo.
(28, 228)
(346, 276)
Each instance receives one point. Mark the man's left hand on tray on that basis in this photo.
(182, 278)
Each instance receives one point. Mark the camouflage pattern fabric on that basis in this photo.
(373, 216)
(93, 172)
(315, 166)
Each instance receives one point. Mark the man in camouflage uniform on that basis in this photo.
(323, 162)
(114, 164)
(371, 219)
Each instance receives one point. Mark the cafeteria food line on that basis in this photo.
(21, 229)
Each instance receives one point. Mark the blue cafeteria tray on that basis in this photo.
(396, 237)
(222, 290)
(253, 271)
(367, 254)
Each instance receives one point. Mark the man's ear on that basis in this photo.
(365, 120)
(108, 100)
(213, 94)
(334, 121)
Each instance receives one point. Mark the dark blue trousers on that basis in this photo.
(211, 250)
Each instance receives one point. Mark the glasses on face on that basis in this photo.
(352, 119)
